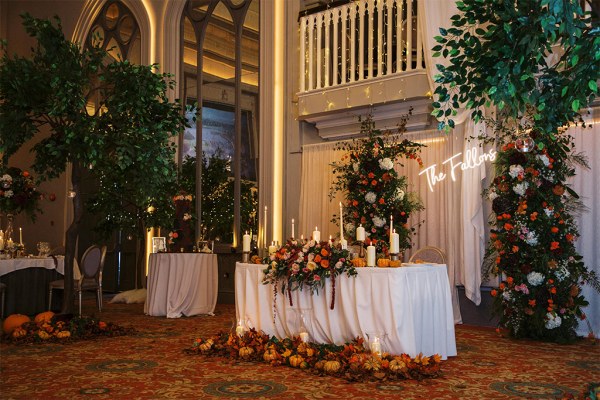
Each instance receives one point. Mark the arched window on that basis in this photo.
(219, 85)
(116, 30)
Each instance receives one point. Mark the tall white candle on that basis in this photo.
(316, 235)
(21, 235)
(246, 243)
(360, 233)
(344, 244)
(370, 256)
(330, 241)
(341, 222)
(265, 229)
(391, 226)
(293, 233)
(395, 243)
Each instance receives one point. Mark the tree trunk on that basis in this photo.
(71, 239)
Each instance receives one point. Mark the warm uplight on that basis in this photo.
(278, 113)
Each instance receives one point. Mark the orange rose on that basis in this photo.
(498, 260)
(374, 182)
(325, 263)
(371, 175)
(102, 325)
(493, 236)
(508, 226)
(354, 203)
(494, 292)
(569, 237)
(175, 235)
(515, 249)
(502, 286)
(553, 290)
(532, 303)
(317, 258)
(554, 245)
(510, 280)
(25, 174)
(554, 229)
(558, 190)
(533, 216)
(324, 252)
(382, 201)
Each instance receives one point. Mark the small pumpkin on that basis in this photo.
(246, 352)
(383, 263)
(14, 321)
(42, 317)
(395, 263)
(359, 262)
(43, 335)
(206, 346)
(63, 334)
(270, 355)
(319, 365)
(18, 333)
(296, 360)
(332, 366)
(397, 365)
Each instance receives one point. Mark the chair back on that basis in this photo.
(92, 262)
(429, 254)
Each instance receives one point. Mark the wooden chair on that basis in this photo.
(91, 266)
(429, 254)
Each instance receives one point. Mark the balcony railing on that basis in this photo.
(361, 40)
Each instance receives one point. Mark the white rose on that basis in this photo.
(6, 177)
(515, 170)
(535, 278)
(492, 195)
(378, 221)
(531, 238)
(370, 197)
(553, 321)
(544, 158)
(386, 164)
(400, 194)
(521, 188)
(8, 193)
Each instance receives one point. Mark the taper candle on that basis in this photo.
(316, 235)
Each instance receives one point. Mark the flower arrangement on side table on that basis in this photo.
(181, 236)
(351, 361)
(373, 190)
(300, 264)
(18, 192)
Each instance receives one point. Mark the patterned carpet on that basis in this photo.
(152, 365)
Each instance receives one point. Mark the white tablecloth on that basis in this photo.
(411, 305)
(15, 264)
(181, 284)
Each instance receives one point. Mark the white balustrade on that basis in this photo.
(362, 40)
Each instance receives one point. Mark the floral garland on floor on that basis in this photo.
(300, 264)
(373, 190)
(61, 328)
(532, 241)
(350, 361)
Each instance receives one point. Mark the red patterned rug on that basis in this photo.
(152, 365)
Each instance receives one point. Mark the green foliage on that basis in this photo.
(114, 119)
(217, 196)
(535, 58)
(373, 190)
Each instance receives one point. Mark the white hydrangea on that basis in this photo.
(531, 238)
(521, 188)
(553, 321)
(400, 194)
(355, 166)
(8, 193)
(6, 177)
(535, 278)
(378, 221)
(562, 273)
(386, 164)
(515, 170)
(350, 228)
(370, 197)
(544, 158)
(492, 195)
(549, 212)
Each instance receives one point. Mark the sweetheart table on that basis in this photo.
(181, 284)
(411, 306)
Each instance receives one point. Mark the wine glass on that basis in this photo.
(43, 248)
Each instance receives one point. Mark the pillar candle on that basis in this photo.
(316, 235)
(21, 235)
(370, 256)
(293, 233)
(246, 243)
(395, 243)
(304, 336)
(360, 233)
(344, 244)
(376, 346)
(272, 248)
(330, 242)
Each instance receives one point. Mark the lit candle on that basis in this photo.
(265, 228)
(316, 235)
(21, 236)
(395, 243)
(370, 256)
(391, 226)
(304, 337)
(376, 346)
(239, 330)
(341, 222)
(272, 248)
(330, 240)
(360, 233)
(1, 243)
(293, 233)
(246, 243)
(302, 237)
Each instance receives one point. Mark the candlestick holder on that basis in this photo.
(394, 256)
(361, 249)
(245, 257)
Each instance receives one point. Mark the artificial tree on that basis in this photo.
(110, 118)
(538, 63)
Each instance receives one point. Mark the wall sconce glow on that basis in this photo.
(472, 159)
(71, 194)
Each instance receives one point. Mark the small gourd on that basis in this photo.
(63, 334)
(383, 263)
(397, 365)
(206, 346)
(246, 352)
(332, 366)
(296, 360)
(14, 321)
(18, 333)
(270, 355)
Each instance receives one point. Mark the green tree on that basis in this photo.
(113, 119)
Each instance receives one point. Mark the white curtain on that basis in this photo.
(587, 184)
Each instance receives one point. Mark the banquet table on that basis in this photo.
(181, 284)
(410, 307)
(27, 281)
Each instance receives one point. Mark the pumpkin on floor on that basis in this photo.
(43, 317)
(14, 321)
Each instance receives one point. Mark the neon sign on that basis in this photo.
(472, 159)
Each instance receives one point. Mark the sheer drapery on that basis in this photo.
(587, 184)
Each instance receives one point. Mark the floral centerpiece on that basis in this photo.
(532, 241)
(18, 192)
(181, 236)
(300, 264)
(373, 190)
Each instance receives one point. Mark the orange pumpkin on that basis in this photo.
(42, 317)
(14, 321)
(296, 360)
(359, 262)
(332, 366)
(270, 355)
(383, 263)
(395, 263)
(246, 352)
(63, 334)
(19, 332)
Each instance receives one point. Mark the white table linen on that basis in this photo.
(14, 264)
(411, 305)
(181, 284)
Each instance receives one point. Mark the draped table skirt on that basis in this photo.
(181, 284)
(411, 306)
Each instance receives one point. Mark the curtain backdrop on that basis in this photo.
(587, 184)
